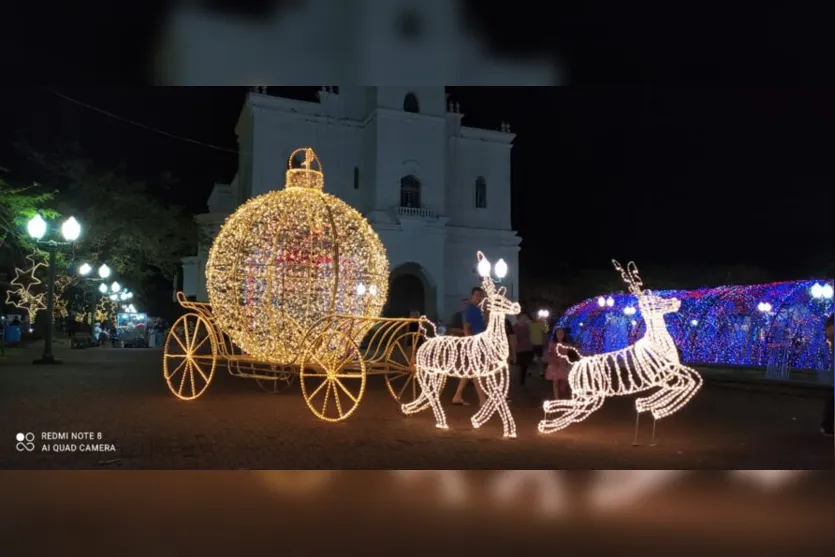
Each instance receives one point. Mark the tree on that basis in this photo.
(17, 206)
(124, 223)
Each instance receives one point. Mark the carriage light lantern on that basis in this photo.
(481, 357)
(115, 287)
(71, 229)
(114, 297)
(84, 269)
(285, 259)
(104, 272)
(103, 288)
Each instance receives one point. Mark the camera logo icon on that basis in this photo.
(25, 442)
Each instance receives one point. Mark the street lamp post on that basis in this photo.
(103, 274)
(70, 230)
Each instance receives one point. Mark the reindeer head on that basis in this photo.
(648, 303)
(495, 301)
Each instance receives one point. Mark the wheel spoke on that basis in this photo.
(201, 343)
(325, 403)
(191, 380)
(346, 391)
(403, 389)
(177, 338)
(405, 356)
(183, 379)
(200, 371)
(317, 389)
(176, 369)
(336, 398)
(194, 336)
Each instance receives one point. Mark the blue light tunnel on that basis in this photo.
(727, 325)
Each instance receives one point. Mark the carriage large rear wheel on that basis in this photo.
(332, 376)
(190, 356)
(401, 379)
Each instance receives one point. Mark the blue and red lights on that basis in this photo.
(731, 325)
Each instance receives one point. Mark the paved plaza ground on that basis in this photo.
(120, 394)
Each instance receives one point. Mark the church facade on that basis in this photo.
(435, 191)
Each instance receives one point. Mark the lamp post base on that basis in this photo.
(47, 360)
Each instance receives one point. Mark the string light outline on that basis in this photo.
(27, 301)
(481, 357)
(652, 362)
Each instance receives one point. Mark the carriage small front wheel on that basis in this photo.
(401, 379)
(190, 356)
(332, 376)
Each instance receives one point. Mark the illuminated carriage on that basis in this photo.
(297, 280)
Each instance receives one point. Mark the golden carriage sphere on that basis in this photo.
(287, 258)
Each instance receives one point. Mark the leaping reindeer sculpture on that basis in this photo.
(481, 357)
(649, 363)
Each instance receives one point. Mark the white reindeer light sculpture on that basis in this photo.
(481, 357)
(652, 362)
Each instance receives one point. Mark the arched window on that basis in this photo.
(480, 193)
(410, 103)
(356, 177)
(410, 192)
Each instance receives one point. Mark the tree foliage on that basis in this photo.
(124, 224)
(17, 205)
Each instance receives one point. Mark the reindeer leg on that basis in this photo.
(577, 409)
(502, 382)
(483, 414)
(637, 421)
(421, 401)
(654, 422)
(434, 383)
(679, 389)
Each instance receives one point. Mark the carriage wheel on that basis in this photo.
(333, 376)
(284, 378)
(190, 356)
(401, 379)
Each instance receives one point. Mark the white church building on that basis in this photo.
(434, 190)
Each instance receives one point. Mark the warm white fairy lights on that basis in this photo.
(481, 357)
(287, 258)
(652, 362)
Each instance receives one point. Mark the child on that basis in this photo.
(559, 352)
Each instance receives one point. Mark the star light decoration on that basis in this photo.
(287, 258)
(652, 362)
(105, 309)
(481, 357)
(22, 297)
(62, 283)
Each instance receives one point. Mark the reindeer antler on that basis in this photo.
(629, 277)
(636, 278)
(626, 278)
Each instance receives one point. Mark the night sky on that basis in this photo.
(691, 176)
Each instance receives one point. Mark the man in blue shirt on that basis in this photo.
(473, 325)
